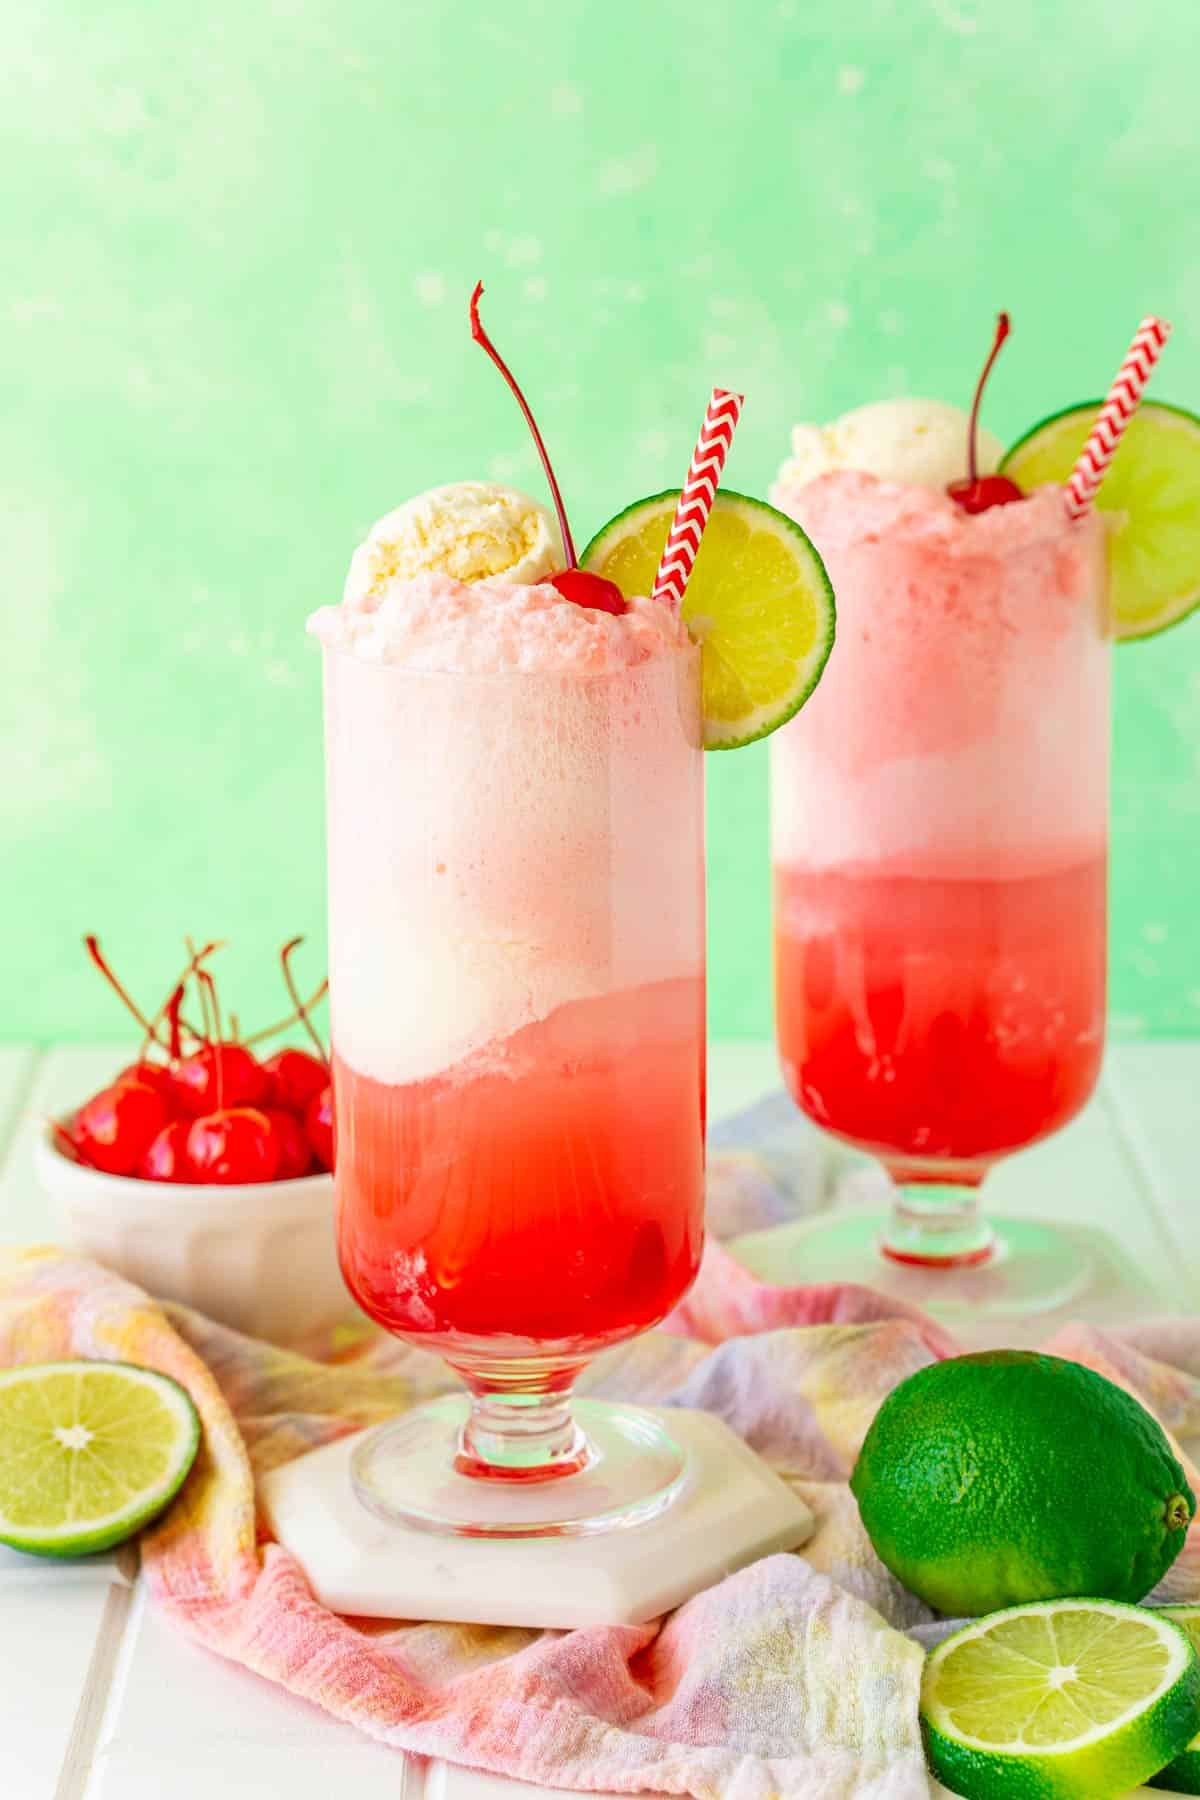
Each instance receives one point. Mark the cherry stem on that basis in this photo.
(293, 1018)
(172, 1015)
(173, 1004)
(481, 337)
(170, 1012)
(208, 992)
(92, 945)
(210, 988)
(1002, 330)
(289, 981)
(195, 969)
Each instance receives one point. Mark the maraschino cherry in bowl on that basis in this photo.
(202, 1172)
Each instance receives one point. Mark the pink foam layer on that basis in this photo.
(503, 846)
(963, 716)
(435, 623)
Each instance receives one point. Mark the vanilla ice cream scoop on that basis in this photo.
(919, 443)
(470, 530)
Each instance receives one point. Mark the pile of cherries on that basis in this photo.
(198, 1105)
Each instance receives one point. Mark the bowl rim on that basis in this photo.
(48, 1149)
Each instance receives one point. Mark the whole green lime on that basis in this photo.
(990, 1480)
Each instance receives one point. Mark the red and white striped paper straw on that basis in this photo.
(696, 499)
(1120, 406)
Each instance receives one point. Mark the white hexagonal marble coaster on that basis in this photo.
(733, 1510)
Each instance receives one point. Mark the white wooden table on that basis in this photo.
(101, 1699)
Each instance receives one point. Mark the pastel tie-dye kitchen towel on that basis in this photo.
(798, 1676)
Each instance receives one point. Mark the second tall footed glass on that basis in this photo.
(517, 986)
(940, 816)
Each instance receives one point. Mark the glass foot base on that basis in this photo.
(732, 1510)
(1032, 1267)
(410, 1470)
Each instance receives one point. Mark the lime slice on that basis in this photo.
(1183, 1775)
(758, 603)
(1065, 1700)
(1152, 488)
(89, 1452)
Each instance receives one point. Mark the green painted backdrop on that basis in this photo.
(239, 239)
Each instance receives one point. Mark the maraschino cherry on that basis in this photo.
(116, 1127)
(218, 1075)
(979, 492)
(295, 1151)
(573, 583)
(294, 1077)
(166, 1159)
(216, 1114)
(233, 1146)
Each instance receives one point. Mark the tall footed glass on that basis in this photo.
(939, 822)
(517, 990)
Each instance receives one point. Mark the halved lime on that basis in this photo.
(89, 1453)
(1153, 491)
(1065, 1700)
(758, 602)
(1183, 1775)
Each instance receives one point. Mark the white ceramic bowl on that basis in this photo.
(259, 1257)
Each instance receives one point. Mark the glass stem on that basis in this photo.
(520, 1433)
(937, 1224)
